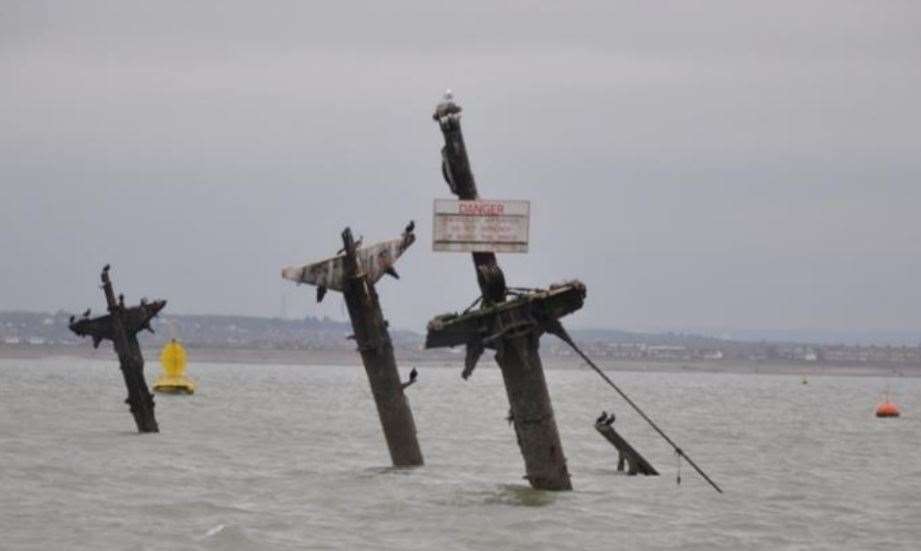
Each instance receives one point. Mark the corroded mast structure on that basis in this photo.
(511, 327)
(636, 463)
(354, 272)
(121, 326)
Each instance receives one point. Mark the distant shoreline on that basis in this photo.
(454, 360)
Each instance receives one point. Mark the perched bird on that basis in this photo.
(412, 379)
(357, 246)
(87, 313)
(604, 415)
(105, 268)
(410, 227)
(121, 300)
(143, 301)
(72, 318)
(447, 107)
(511, 417)
(610, 420)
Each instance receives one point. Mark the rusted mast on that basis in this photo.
(637, 464)
(354, 272)
(516, 349)
(121, 326)
(373, 339)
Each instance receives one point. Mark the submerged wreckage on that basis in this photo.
(509, 321)
(354, 271)
(121, 326)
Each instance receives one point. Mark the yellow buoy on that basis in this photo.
(173, 379)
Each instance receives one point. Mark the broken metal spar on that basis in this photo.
(558, 330)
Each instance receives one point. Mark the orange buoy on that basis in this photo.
(887, 409)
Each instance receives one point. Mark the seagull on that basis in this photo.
(447, 107)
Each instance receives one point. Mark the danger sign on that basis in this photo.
(481, 226)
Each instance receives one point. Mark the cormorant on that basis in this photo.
(121, 300)
(105, 268)
(601, 419)
(412, 379)
(72, 318)
(87, 313)
(610, 420)
(410, 227)
(357, 246)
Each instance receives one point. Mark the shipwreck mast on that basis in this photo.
(121, 326)
(376, 349)
(354, 272)
(512, 328)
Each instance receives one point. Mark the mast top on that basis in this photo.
(447, 109)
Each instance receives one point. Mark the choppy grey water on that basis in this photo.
(285, 457)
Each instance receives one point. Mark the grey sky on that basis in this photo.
(699, 165)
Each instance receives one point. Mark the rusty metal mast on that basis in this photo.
(121, 326)
(373, 339)
(354, 273)
(512, 328)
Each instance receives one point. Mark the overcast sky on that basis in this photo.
(699, 165)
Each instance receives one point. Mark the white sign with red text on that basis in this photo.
(481, 226)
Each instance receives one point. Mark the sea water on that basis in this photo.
(292, 457)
